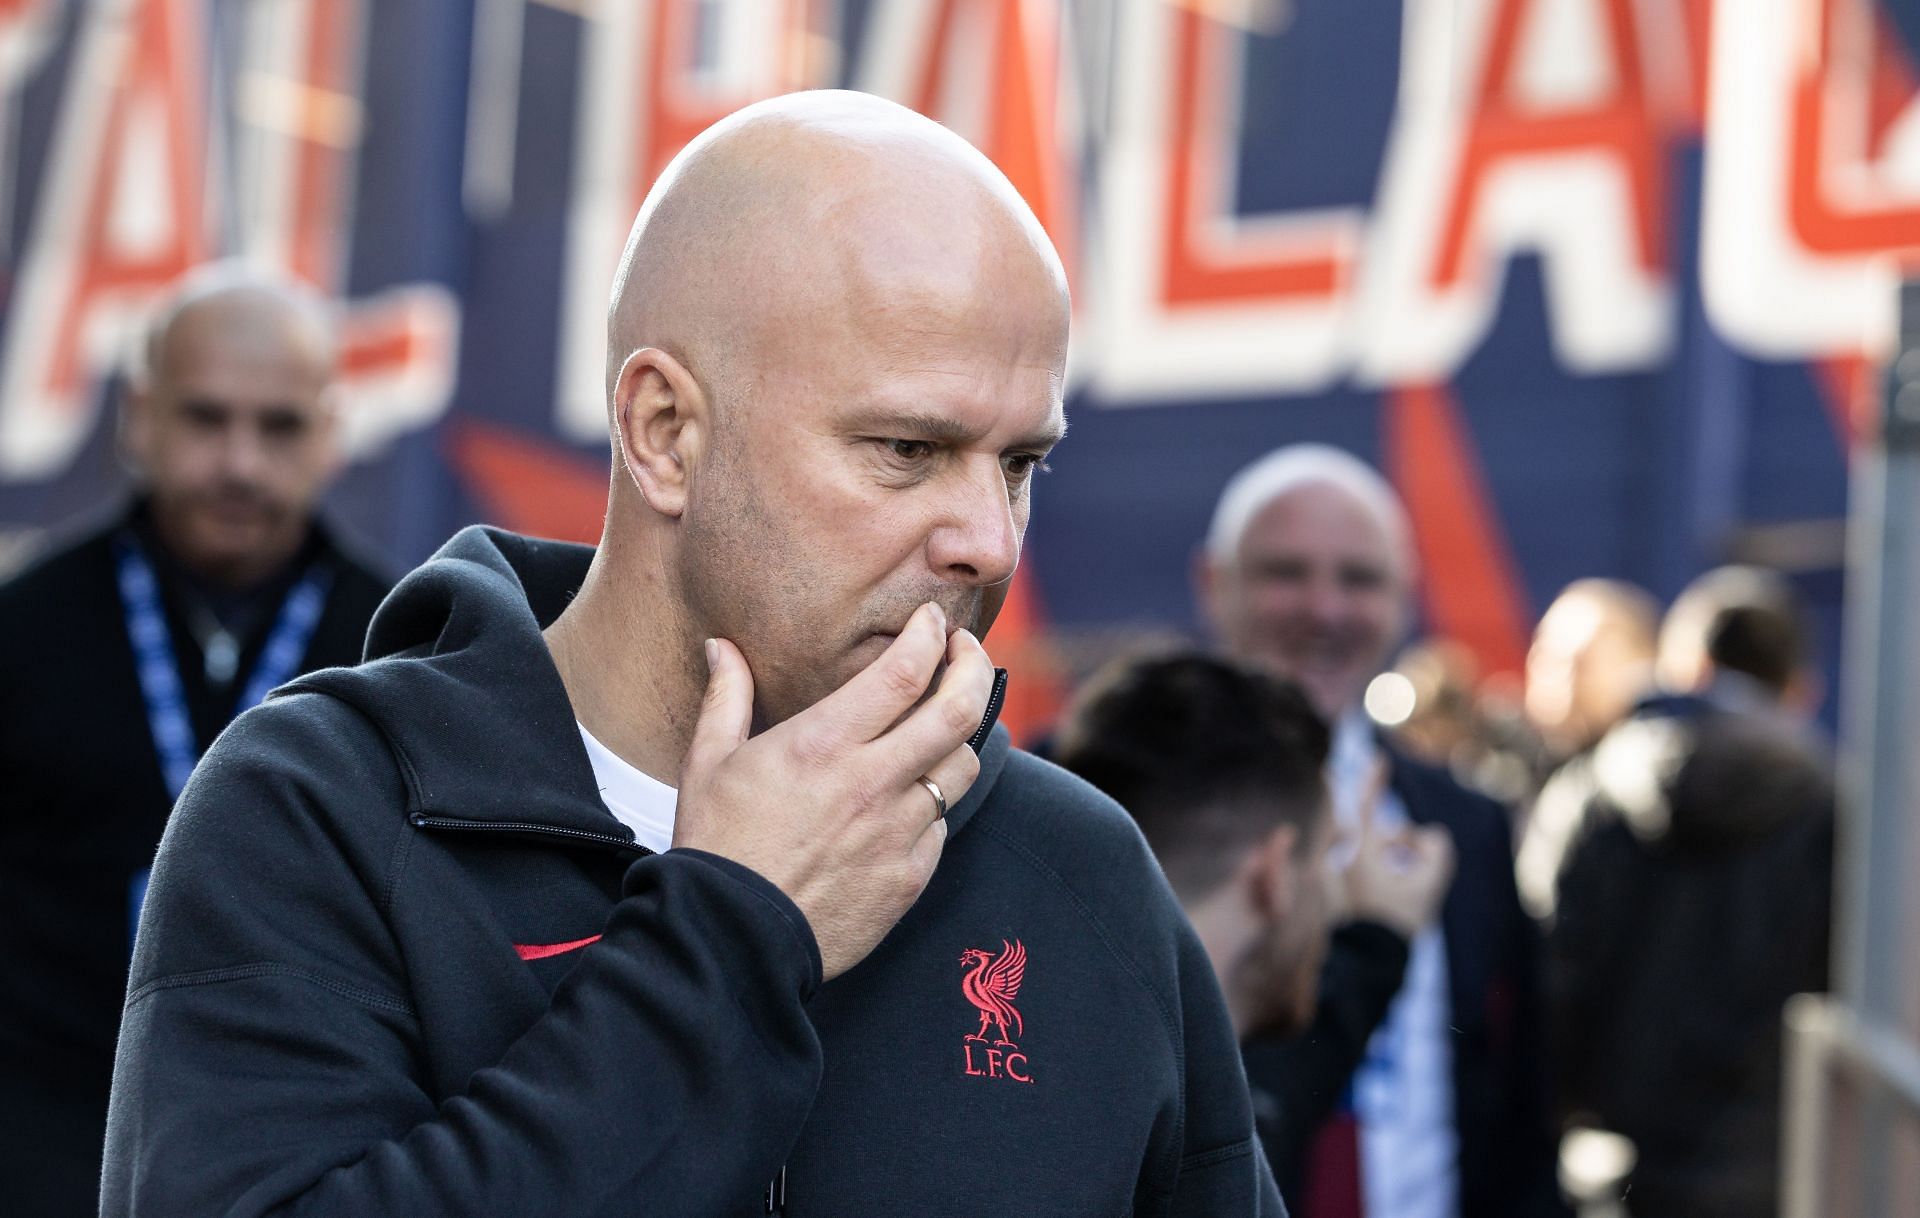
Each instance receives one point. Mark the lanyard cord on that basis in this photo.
(158, 667)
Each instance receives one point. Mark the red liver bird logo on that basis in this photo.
(991, 984)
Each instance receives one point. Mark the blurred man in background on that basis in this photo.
(1224, 769)
(1308, 571)
(1591, 661)
(1737, 637)
(1693, 900)
(124, 653)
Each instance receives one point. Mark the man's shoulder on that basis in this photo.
(66, 563)
(1433, 795)
(1067, 834)
(1053, 811)
(360, 582)
(306, 752)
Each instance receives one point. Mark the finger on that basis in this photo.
(1439, 847)
(1370, 794)
(927, 848)
(886, 689)
(954, 774)
(1401, 839)
(945, 721)
(726, 713)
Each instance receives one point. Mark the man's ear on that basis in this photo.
(331, 424)
(136, 427)
(1275, 873)
(1207, 577)
(661, 426)
(1805, 691)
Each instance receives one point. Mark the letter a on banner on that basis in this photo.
(1813, 176)
(120, 214)
(1556, 145)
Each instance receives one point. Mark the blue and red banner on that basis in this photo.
(1601, 284)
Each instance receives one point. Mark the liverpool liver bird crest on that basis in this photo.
(991, 984)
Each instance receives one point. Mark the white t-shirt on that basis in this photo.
(1403, 1090)
(637, 799)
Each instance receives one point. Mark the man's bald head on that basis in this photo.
(1591, 658)
(801, 208)
(836, 354)
(231, 422)
(235, 303)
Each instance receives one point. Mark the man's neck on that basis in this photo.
(634, 681)
(1228, 934)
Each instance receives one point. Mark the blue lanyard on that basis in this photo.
(159, 671)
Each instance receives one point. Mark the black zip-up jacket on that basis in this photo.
(362, 984)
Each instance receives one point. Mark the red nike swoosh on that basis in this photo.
(540, 951)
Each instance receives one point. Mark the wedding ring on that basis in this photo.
(939, 800)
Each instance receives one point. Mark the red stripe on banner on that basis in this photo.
(1846, 385)
(1470, 582)
(540, 951)
(1019, 643)
(528, 485)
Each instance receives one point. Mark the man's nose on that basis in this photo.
(243, 453)
(1326, 600)
(977, 542)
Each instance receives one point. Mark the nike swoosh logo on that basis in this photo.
(540, 951)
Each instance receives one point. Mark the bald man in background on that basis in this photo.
(1591, 661)
(1308, 571)
(124, 653)
(691, 875)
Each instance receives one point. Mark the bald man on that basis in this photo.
(690, 874)
(1308, 571)
(127, 651)
(1591, 660)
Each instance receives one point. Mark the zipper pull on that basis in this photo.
(777, 1192)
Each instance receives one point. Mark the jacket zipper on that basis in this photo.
(979, 738)
(421, 820)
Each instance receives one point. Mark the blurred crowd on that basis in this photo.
(1491, 949)
(1562, 918)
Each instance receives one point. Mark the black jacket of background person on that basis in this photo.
(1508, 1148)
(327, 1002)
(83, 807)
(1299, 1080)
(1688, 911)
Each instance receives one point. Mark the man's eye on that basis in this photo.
(283, 426)
(912, 451)
(203, 416)
(1022, 466)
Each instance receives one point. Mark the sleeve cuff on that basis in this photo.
(777, 902)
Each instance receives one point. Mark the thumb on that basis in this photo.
(726, 713)
(1370, 792)
(1435, 847)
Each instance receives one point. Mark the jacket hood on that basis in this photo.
(1688, 774)
(459, 680)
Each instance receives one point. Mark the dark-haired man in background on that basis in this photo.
(1693, 900)
(124, 653)
(1223, 768)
